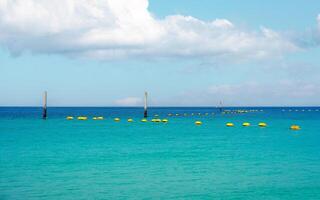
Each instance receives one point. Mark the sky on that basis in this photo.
(183, 52)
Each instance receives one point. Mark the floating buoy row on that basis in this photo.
(246, 124)
(187, 114)
(157, 120)
(240, 111)
(82, 118)
(208, 114)
(303, 110)
(229, 124)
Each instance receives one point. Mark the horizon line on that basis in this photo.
(233, 106)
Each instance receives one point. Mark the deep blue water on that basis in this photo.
(61, 159)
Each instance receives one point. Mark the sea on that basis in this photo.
(58, 159)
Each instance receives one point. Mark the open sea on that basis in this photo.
(57, 159)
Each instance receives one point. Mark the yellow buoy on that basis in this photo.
(130, 120)
(144, 120)
(198, 123)
(156, 120)
(246, 124)
(82, 118)
(117, 119)
(165, 121)
(295, 127)
(98, 118)
(262, 124)
(229, 124)
(69, 118)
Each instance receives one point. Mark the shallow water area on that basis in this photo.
(103, 159)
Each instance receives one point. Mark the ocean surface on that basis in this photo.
(59, 159)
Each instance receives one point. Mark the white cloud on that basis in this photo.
(318, 19)
(309, 38)
(223, 23)
(108, 29)
(129, 101)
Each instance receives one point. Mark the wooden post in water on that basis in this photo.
(44, 112)
(145, 115)
(221, 110)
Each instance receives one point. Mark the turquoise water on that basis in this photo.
(60, 159)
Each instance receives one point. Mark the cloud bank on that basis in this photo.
(280, 93)
(129, 101)
(111, 29)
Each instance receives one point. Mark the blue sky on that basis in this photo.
(284, 15)
(184, 53)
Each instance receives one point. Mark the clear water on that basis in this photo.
(60, 159)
